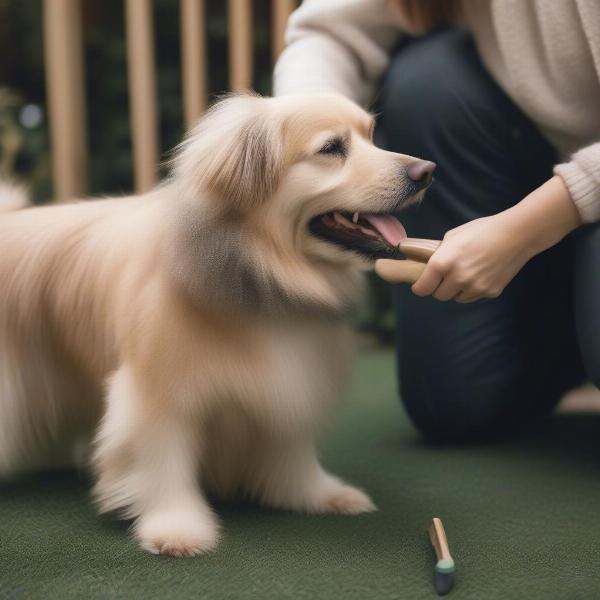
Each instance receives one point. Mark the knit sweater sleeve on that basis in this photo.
(582, 178)
(337, 46)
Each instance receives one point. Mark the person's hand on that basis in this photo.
(478, 259)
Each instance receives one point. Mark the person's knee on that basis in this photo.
(429, 82)
(437, 98)
(476, 404)
(456, 411)
(459, 369)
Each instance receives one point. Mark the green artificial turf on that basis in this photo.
(522, 517)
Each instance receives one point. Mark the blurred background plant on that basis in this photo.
(24, 139)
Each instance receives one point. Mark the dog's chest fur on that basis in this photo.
(306, 363)
(283, 374)
(284, 390)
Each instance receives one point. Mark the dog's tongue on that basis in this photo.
(389, 227)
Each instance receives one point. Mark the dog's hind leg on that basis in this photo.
(30, 412)
(47, 411)
(147, 460)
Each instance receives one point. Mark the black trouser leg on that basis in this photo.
(467, 371)
(587, 298)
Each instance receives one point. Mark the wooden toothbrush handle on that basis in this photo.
(418, 251)
(418, 248)
(437, 535)
(399, 271)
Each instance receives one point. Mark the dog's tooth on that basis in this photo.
(355, 217)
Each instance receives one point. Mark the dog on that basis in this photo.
(195, 338)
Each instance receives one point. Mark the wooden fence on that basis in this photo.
(63, 47)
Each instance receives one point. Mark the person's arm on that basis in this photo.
(582, 177)
(478, 259)
(338, 46)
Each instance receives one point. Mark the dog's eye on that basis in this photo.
(334, 147)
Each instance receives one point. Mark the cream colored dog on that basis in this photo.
(195, 337)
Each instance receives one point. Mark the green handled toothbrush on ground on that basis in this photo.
(443, 578)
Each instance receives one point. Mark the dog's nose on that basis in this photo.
(421, 171)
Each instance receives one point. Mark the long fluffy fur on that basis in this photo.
(195, 333)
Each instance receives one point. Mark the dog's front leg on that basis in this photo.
(146, 457)
(291, 477)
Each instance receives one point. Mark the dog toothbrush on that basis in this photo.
(418, 251)
(443, 577)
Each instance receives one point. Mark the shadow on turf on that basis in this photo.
(568, 436)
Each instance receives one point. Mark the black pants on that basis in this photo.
(470, 371)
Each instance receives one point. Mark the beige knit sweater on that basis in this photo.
(544, 53)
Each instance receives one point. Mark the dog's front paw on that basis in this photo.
(177, 534)
(346, 500)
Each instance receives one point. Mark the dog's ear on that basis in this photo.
(235, 153)
(248, 168)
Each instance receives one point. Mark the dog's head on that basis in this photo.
(299, 180)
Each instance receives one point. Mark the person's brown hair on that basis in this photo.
(425, 15)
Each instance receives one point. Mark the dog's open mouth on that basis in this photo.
(374, 235)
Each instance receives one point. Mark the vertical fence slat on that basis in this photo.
(142, 91)
(280, 10)
(193, 53)
(240, 44)
(66, 97)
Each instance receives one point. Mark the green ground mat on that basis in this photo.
(523, 519)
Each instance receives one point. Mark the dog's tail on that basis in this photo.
(13, 196)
